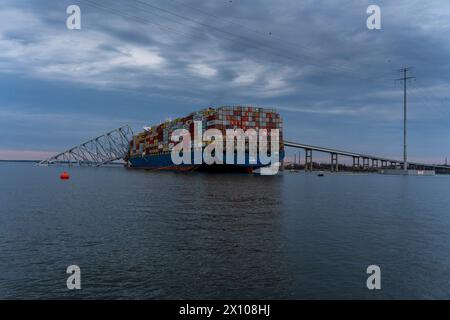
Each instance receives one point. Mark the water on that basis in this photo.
(147, 235)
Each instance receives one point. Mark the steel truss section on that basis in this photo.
(104, 149)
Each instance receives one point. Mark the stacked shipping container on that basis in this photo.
(156, 140)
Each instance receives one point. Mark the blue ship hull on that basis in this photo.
(164, 162)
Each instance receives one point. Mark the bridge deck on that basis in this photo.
(356, 155)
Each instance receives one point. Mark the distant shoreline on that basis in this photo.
(20, 160)
(37, 161)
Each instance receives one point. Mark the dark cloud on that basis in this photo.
(315, 60)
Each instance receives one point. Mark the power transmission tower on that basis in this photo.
(405, 78)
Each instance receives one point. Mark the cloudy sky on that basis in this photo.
(142, 61)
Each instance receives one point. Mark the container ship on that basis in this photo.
(151, 149)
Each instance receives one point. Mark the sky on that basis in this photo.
(139, 62)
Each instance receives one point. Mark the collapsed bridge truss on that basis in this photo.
(104, 149)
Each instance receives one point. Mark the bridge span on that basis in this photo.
(360, 160)
(114, 145)
(99, 151)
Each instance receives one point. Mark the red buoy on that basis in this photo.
(64, 176)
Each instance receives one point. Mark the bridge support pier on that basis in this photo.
(308, 160)
(356, 163)
(366, 164)
(383, 163)
(374, 163)
(334, 162)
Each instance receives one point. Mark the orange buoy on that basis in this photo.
(64, 176)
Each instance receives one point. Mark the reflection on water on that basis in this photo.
(138, 234)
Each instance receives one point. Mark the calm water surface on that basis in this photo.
(146, 235)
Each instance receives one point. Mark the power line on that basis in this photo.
(144, 21)
(129, 16)
(230, 21)
(257, 44)
(262, 34)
